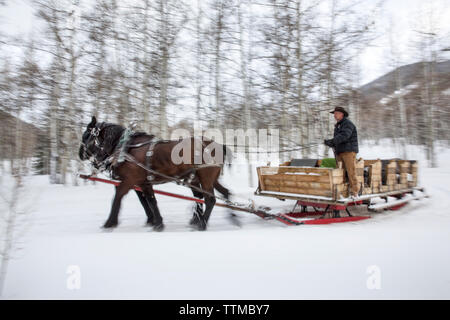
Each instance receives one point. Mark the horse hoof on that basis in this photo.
(193, 221)
(110, 224)
(159, 227)
(201, 226)
(150, 223)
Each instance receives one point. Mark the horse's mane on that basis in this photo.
(113, 133)
(139, 134)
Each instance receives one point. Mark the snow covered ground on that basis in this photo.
(65, 255)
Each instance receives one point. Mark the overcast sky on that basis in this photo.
(404, 15)
(17, 18)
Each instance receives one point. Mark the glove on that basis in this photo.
(329, 143)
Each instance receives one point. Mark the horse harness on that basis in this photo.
(120, 154)
(187, 176)
(148, 158)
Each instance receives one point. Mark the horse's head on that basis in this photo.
(99, 141)
(90, 147)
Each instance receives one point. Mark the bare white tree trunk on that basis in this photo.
(17, 169)
(199, 55)
(217, 59)
(70, 130)
(302, 123)
(164, 75)
(330, 64)
(54, 152)
(9, 221)
(402, 114)
(246, 100)
(146, 103)
(395, 58)
(428, 69)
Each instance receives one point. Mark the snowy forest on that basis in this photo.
(167, 64)
(243, 65)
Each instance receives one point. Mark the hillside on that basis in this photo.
(9, 126)
(379, 100)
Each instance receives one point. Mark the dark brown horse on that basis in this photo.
(102, 144)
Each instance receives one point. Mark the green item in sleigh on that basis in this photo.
(328, 163)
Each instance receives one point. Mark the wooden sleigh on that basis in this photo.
(326, 190)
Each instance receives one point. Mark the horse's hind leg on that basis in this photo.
(207, 178)
(200, 218)
(146, 206)
(210, 201)
(153, 204)
(198, 209)
(121, 190)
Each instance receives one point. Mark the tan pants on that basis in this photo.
(349, 163)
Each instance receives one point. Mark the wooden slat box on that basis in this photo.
(300, 180)
(414, 171)
(389, 176)
(399, 175)
(374, 179)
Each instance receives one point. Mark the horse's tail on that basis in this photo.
(224, 191)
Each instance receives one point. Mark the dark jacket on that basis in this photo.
(345, 136)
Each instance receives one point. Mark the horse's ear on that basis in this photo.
(93, 122)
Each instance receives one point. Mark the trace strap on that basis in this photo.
(149, 155)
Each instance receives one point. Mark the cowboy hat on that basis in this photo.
(340, 109)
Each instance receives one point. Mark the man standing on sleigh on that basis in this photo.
(345, 144)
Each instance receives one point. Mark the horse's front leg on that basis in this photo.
(153, 204)
(121, 190)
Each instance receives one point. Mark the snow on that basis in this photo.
(261, 260)
(398, 93)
